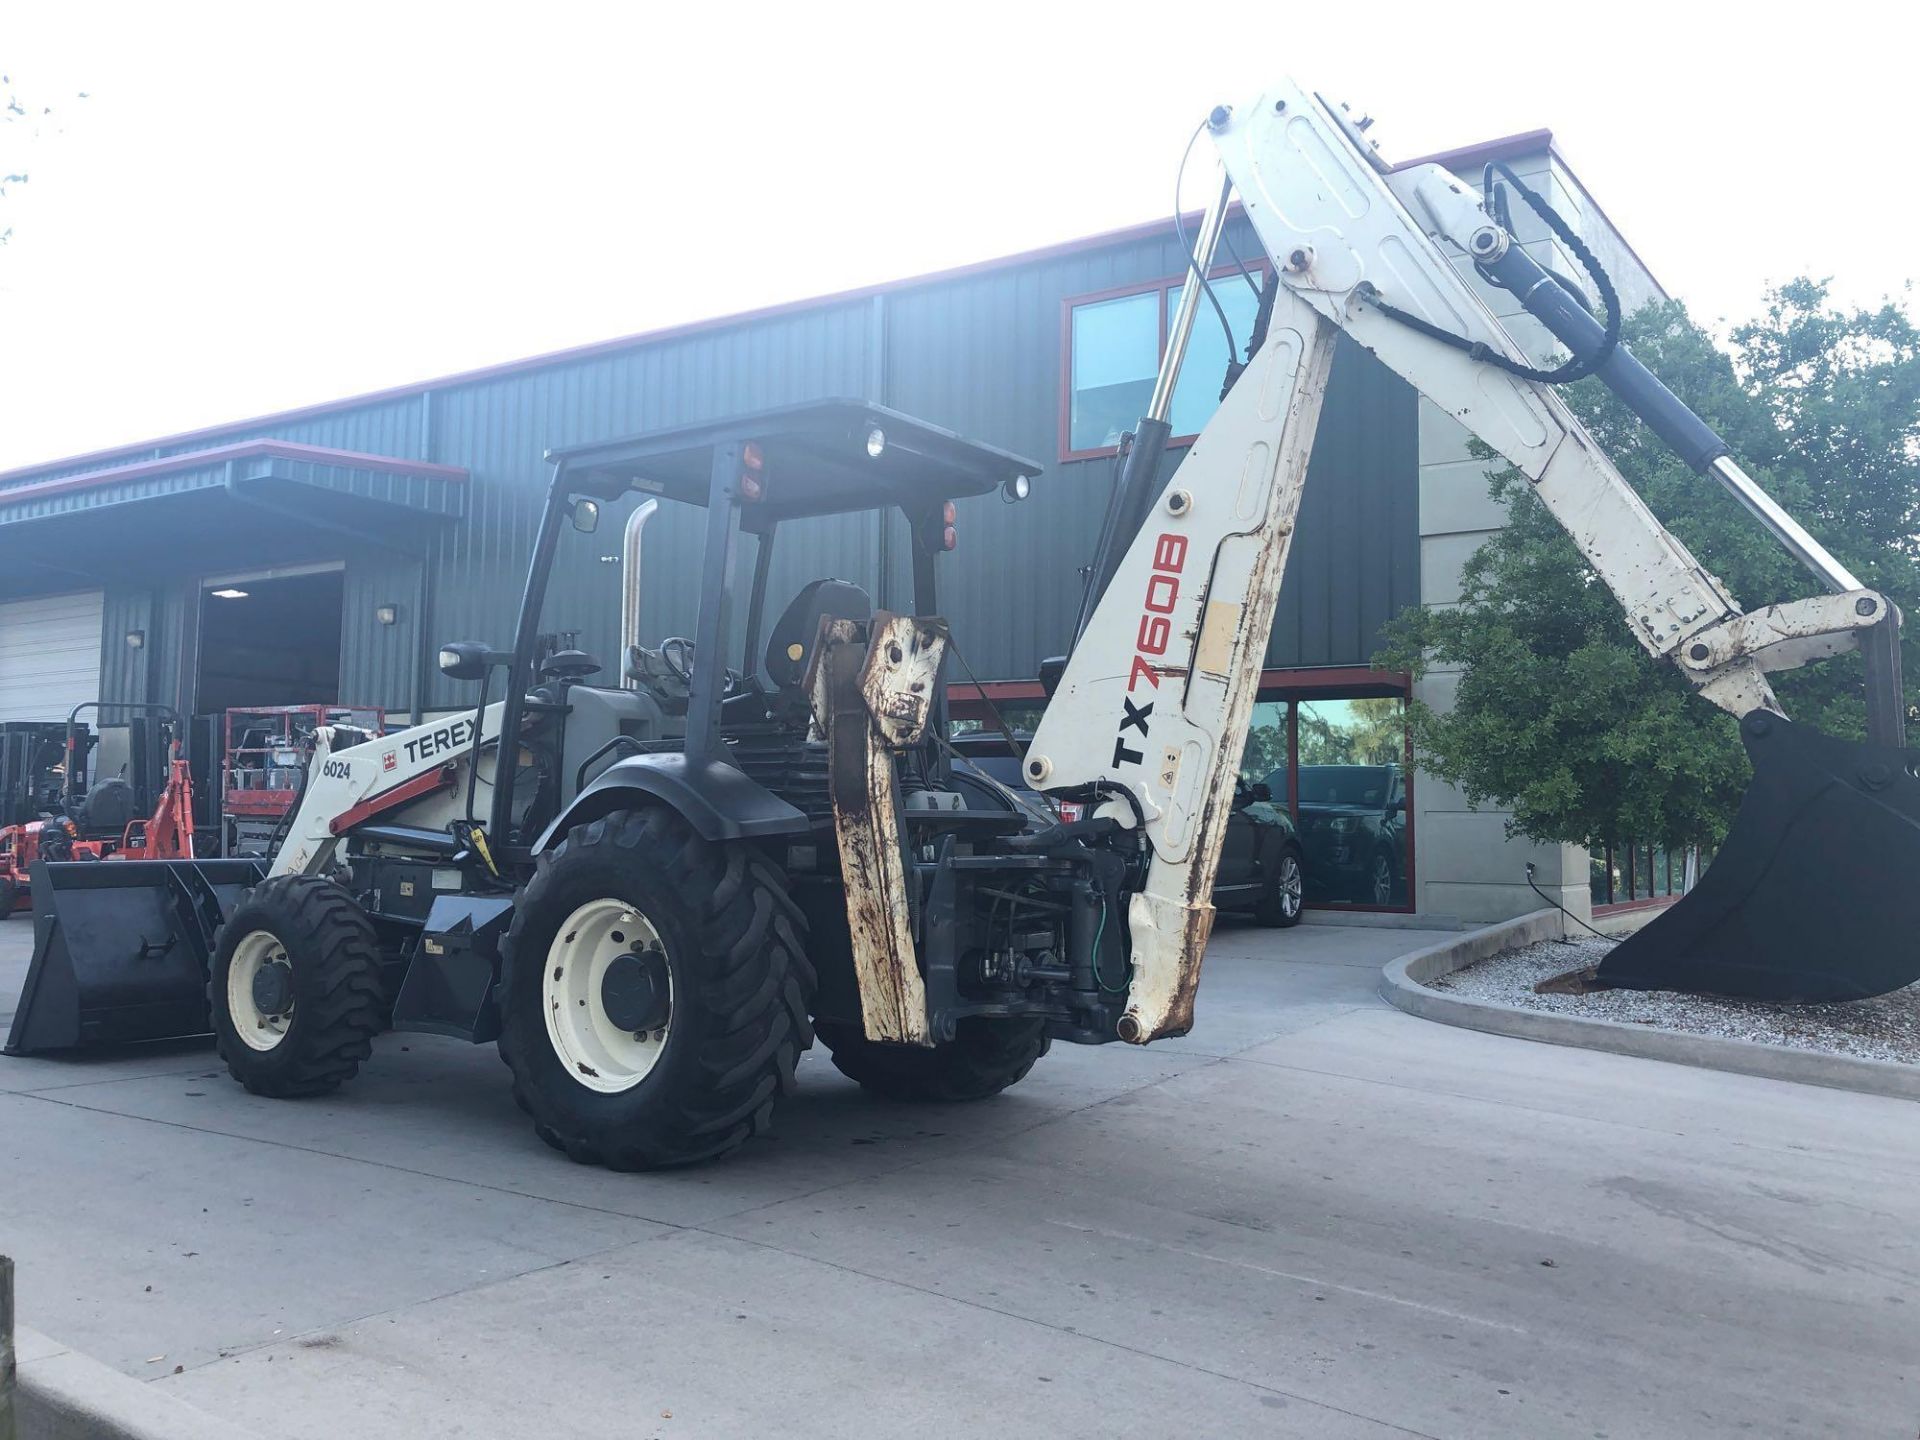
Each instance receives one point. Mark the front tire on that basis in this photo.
(985, 1057)
(654, 993)
(294, 987)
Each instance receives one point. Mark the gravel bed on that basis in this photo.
(1884, 1028)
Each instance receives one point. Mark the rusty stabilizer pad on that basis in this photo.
(1815, 896)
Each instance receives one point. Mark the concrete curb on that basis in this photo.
(65, 1395)
(1401, 986)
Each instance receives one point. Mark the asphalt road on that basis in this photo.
(1314, 1217)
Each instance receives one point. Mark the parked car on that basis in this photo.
(1352, 829)
(1261, 873)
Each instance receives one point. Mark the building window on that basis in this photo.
(1197, 393)
(1339, 767)
(1116, 354)
(1631, 874)
(1114, 344)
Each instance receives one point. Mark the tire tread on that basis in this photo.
(334, 1028)
(985, 1057)
(755, 982)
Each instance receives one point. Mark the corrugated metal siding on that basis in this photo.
(984, 356)
(145, 487)
(125, 673)
(497, 430)
(380, 664)
(153, 672)
(980, 353)
(174, 639)
(1355, 561)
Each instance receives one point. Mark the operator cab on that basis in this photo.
(734, 692)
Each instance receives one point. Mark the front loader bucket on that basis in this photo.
(120, 950)
(1816, 894)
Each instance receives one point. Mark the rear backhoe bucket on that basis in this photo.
(1814, 896)
(120, 950)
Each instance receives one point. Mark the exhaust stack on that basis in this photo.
(630, 539)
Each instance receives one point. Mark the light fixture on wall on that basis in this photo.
(136, 639)
(387, 614)
(230, 593)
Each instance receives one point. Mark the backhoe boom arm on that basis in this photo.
(1153, 706)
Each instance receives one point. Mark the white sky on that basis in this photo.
(265, 205)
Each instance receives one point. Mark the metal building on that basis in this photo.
(322, 554)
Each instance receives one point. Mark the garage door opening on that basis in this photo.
(271, 640)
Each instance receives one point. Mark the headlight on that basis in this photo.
(876, 441)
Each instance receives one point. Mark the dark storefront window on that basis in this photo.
(1345, 755)
(1114, 343)
(1633, 874)
(1339, 768)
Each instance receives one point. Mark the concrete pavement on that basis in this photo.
(1316, 1216)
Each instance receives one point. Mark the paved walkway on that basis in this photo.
(1314, 1217)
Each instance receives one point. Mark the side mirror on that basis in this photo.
(586, 516)
(468, 660)
(1052, 669)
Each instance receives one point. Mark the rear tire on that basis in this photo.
(985, 1057)
(1382, 878)
(700, 1078)
(9, 897)
(331, 987)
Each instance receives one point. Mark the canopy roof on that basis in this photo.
(817, 459)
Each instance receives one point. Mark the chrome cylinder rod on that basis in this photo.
(1784, 528)
(1180, 329)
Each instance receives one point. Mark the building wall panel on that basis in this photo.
(981, 353)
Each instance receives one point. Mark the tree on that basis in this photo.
(1560, 716)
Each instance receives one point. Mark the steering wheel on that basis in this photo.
(676, 653)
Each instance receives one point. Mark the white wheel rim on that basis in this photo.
(596, 1052)
(257, 1031)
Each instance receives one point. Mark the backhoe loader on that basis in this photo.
(653, 896)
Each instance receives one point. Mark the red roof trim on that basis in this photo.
(1503, 148)
(246, 450)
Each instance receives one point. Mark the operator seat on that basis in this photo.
(106, 809)
(791, 640)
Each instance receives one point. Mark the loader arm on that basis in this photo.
(348, 787)
(1150, 714)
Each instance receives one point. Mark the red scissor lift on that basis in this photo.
(265, 753)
